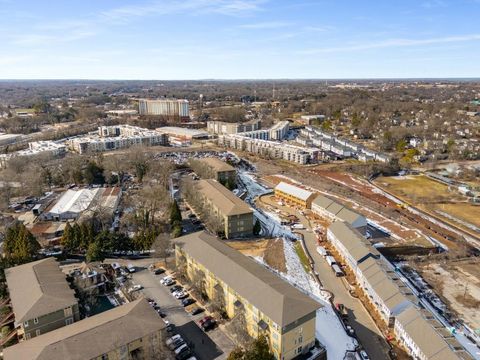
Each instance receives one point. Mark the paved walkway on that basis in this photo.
(215, 345)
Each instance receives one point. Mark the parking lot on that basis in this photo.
(206, 346)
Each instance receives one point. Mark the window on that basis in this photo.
(67, 311)
(27, 336)
(25, 324)
(68, 321)
(299, 350)
(35, 320)
(300, 339)
(37, 332)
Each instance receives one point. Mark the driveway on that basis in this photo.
(215, 345)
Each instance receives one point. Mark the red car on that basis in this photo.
(206, 318)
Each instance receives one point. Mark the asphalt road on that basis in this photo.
(358, 317)
(215, 345)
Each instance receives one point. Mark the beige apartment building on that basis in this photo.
(129, 332)
(268, 304)
(221, 127)
(219, 170)
(235, 214)
(41, 299)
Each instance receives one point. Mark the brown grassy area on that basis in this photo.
(271, 250)
(464, 211)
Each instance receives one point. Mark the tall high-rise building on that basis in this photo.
(166, 107)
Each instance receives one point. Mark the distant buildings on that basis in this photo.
(182, 136)
(165, 107)
(221, 127)
(334, 146)
(270, 149)
(294, 194)
(268, 304)
(117, 137)
(41, 298)
(235, 215)
(131, 331)
(311, 119)
(7, 139)
(35, 148)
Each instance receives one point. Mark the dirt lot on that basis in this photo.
(270, 250)
(458, 283)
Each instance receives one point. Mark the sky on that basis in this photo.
(239, 39)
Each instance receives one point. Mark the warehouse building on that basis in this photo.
(74, 203)
(221, 127)
(269, 305)
(41, 298)
(294, 194)
(236, 216)
(130, 331)
(179, 136)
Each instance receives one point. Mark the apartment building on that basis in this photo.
(219, 170)
(332, 210)
(221, 127)
(235, 214)
(270, 149)
(165, 107)
(35, 148)
(117, 137)
(41, 299)
(128, 332)
(393, 299)
(294, 194)
(269, 305)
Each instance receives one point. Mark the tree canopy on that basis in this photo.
(20, 246)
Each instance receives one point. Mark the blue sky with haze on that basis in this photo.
(233, 39)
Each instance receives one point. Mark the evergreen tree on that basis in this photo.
(20, 246)
(67, 239)
(175, 213)
(95, 252)
(259, 350)
(257, 227)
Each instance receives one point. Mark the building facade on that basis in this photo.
(42, 300)
(219, 170)
(221, 127)
(117, 137)
(128, 332)
(332, 210)
(267, 304)
(294, 194)
(235, 215)
(165, 107)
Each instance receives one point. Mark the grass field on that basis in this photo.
(430, 195)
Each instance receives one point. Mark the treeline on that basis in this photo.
(19, 246)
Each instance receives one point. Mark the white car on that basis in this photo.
(131, 268)
(364, 355)
(181, 295)
(173, 339)
(182, 348)
(135, 288)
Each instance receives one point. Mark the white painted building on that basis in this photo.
(166, 107)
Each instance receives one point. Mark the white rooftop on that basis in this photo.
(74, 201)
(181, 131)
(293, 190)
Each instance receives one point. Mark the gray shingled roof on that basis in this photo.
(91, 337)
(38, 288)
(222, 198)
(273, 296)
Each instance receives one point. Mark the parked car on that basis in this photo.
(183, 355)
(176, 288)
(188, 301)
(181, 349)
(364, 355)
(135, 288)
(350, 330)
(196, 310)
(176, 344)
(159, 271)
(208, 317)
(169, 282)
(209, 325)
(172, 339)
(131, 268)
(181, 295)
